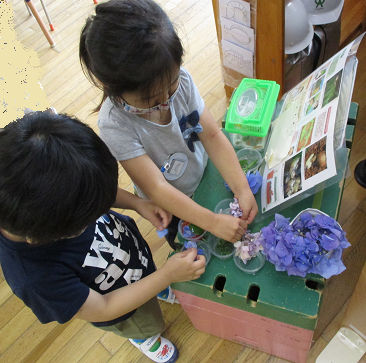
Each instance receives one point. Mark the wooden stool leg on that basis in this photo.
(40, 22)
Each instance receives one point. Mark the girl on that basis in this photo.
(152, 117)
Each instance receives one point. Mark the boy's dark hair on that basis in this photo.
(129, 45)
(56, 177)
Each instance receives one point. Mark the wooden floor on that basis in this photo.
(22, 337)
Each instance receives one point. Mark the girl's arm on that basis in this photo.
(146, 208)
(180, 267)
(222, 154)
(150, 179)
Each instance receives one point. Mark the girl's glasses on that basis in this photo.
(142, 111)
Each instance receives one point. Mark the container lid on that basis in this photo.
(247, 102)
(251, 108)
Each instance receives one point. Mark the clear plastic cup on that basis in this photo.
(253, 265)
(206, 250)
(220, 248)
(196, 237)
(223, 207)
(247, 142)
(249, 159)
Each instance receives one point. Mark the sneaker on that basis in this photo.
(157, 348)
(167, 295)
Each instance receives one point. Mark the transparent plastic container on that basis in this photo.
(196, 237)
(217, 248)
(223, 207)
(248, 142)
(205, 249)
(251, 107)
(253, 265)
(249, 157)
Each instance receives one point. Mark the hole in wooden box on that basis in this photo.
(253, 293)
(314, 285)
(219, 284)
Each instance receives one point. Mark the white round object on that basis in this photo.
(323, 11)
(299, 31)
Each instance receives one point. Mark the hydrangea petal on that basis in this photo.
(281, 249)
(329, 242)
(286, 260)
(190, 244)
(281, 221)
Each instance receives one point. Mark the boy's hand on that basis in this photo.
(159, 217)
(228, 227)
(185, 266)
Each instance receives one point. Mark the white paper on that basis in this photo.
(282, 136)
(237, 58)
(238, 11)
(238, 34)
(311, 158)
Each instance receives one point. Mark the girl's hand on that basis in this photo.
(248, 205)
(159, 217)
(185, 266)
(228, 227)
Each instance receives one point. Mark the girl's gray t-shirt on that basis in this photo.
(129, 136)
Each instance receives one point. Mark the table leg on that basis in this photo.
(40, 22)
(48, 16)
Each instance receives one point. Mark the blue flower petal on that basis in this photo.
(281, 221)
(254, 181)
(190, 244)
(329, 242)
(281, 249)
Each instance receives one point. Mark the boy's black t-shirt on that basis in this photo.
(54, 280)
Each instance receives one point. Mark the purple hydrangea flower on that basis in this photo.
(329, 241)
(254, 181)
(190, 244)
(186, 232)
(248, 246)
(311, 244)
(162, 233)
(235, 209)
(282, 223)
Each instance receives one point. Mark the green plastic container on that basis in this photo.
(251, 107)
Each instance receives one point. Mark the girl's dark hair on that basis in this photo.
(129, 45)
(56, 177)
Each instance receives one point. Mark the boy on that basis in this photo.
(63, 252)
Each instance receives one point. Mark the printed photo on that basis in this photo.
(269, 191)
(332, 88)
(333, 65)
(292, 176)
(315, 158)
(305, 135)
(320, 73)
(316, 87)
(271, 194)
(312, 105)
